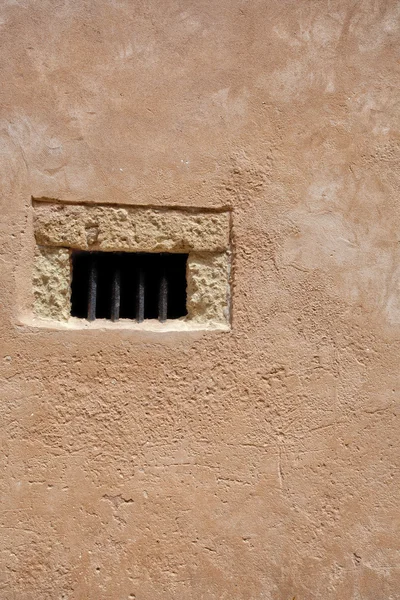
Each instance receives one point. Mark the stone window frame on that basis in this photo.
(203, 234)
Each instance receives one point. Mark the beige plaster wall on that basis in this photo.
(252, 464)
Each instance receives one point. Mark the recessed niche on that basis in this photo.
(131, 265)
(128, 285)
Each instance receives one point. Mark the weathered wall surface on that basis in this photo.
(252, 464)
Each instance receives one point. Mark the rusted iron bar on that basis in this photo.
(140, 295)
(116, 294)
(92, 296)
(163, 297)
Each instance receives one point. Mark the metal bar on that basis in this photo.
(92, 296)
(163, 297)
(140, 295)
(116, 294)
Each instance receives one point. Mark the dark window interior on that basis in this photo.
(122, 285)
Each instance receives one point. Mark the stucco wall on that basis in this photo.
(250, 464)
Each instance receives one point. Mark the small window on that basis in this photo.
(122, 285)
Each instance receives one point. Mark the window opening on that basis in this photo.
(127, 285)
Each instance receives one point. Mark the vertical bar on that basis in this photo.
(92, 299)
(116, 293)
(163, 295)
(140, 294)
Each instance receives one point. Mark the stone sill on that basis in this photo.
(149, 325)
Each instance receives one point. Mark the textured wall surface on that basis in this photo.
(254, 464)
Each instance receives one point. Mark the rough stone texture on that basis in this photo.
(208, 288)
(255, 464)
(51, 283)
(208, 296)
(130, 229)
